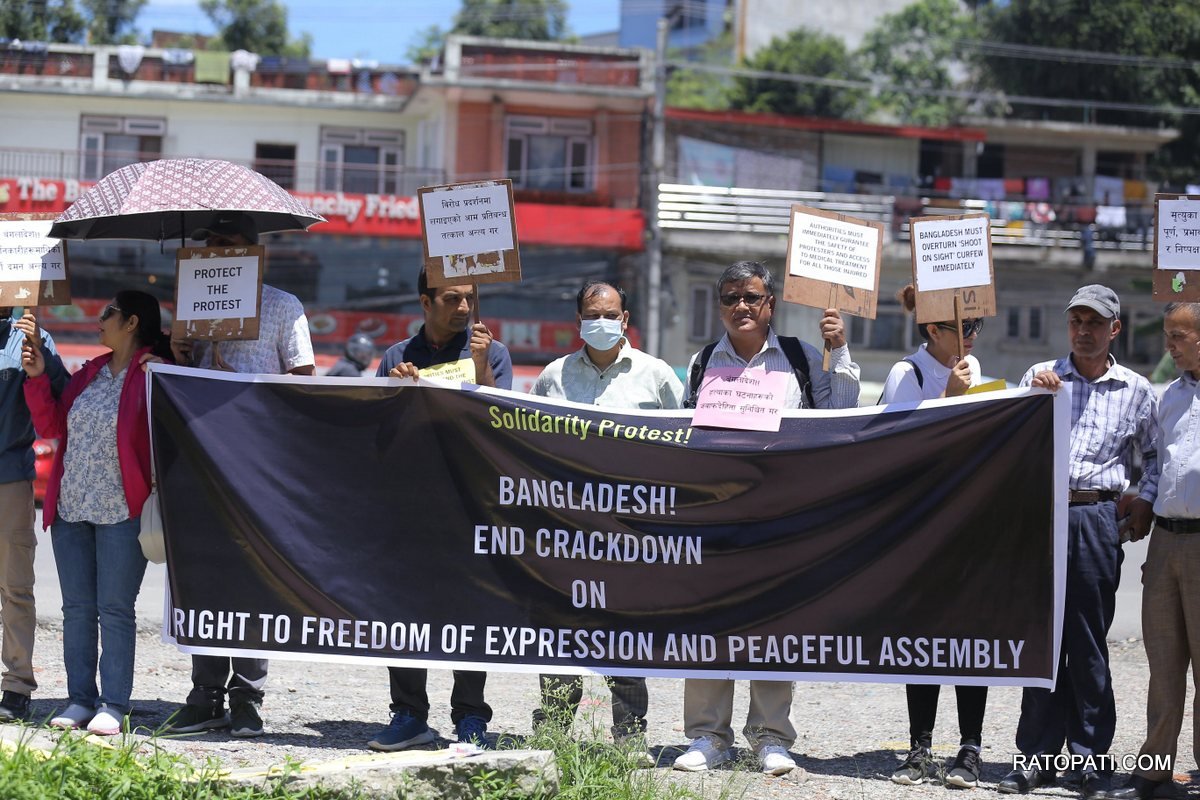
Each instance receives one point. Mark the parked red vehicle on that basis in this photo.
(43, 461)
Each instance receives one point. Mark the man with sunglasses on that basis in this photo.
(1112, 416)
(283, 346)
(746, 297)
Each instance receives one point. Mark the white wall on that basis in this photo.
(847, 19)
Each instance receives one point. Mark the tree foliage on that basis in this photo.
(539, 20)
(917, 48)
(801, 52)
(259, 26)
(425, 44)
(1152, 29)
(111, 21)
(700, 89)
(51, 21)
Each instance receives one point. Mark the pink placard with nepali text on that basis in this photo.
(748, 399)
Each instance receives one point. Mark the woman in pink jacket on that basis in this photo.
(99, 482)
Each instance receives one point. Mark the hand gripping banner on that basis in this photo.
(377, 520)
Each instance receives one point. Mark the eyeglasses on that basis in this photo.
(108, 311)
(751, 299)
(970, 327)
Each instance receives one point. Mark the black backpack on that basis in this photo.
(791, 348)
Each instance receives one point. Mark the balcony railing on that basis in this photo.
(707, 208)
(301, 176)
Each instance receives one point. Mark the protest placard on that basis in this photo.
(744, 399)
(833, 262)
(469, 233)
(1176, 247)
(218, 292)
(33, 267)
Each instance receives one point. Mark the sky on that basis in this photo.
(374, 29)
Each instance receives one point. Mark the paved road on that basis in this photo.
(1127, 625)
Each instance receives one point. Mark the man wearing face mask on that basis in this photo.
(606, 371)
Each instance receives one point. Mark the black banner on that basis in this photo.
(437, 527)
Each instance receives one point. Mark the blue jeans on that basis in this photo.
(100, 569)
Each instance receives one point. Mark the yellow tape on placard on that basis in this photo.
(990, 386)
(461, 370)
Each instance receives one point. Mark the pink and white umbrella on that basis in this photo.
(168, 199)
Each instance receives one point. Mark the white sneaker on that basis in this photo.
(73, 716)
(775, 760)
(105, 723)
(703, 753)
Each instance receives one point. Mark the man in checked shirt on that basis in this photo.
(1112, 417)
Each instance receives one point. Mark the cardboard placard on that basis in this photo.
(218, 292)
(469, 233)
(952, 257)
(1176, 247)
(833, 255)
(33, 267)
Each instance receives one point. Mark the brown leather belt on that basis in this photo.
(1177, 525)
(1083, 496)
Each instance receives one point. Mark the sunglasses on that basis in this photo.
(108, 311)
(970, 327)
(751, 299)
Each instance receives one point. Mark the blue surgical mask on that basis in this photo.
(601, 334)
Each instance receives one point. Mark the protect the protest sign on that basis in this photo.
(850, 545)
(1176, 247)
(952, 267)
(33, 267)
(469, 232)
(833, 261)
(218, 292)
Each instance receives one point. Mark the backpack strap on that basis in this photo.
(916, 371)
(794, 350)
(697, 374)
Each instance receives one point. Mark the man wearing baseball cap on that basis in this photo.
(1112, 415)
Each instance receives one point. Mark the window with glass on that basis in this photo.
(109, 143)
(362, 161)
(548, 153)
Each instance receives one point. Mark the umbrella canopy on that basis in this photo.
(169, 199)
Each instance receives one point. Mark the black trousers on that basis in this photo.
(922, 712)
(561, 695)
(1080, 710)
(466, 698)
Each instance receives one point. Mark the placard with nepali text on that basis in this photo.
(33, 267)
(747, 399)
(469, 232)
(1176, 247)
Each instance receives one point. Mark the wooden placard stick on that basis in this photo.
(829, 347)
(478, 312)
(958, 327)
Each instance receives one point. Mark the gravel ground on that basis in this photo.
(851, 736)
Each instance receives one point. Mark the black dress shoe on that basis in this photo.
(1023, 781)
(1095, 786)
(14, 707)
(1140, 788)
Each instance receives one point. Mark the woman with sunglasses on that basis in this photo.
(935, 370)
(99, 482)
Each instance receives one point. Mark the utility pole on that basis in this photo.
(657, 163)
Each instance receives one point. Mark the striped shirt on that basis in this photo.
(1112, 417)
(837, 388)
(1176, 480)
(634, 380)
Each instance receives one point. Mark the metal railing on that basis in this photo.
(301, 176)
(708, 208)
